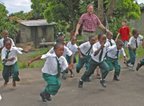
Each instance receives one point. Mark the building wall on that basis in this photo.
(25, 34)
(36, 34)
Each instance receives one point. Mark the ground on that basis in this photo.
(129, 91)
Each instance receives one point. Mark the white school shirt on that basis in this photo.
(67, 51)
(96, 46)
(84, 47)
(2, 42)
(73, 48)
(13, 53)
(112, 41)
(132, 41)
(112, 52)
(50, 65)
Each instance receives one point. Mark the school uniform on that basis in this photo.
(134, 43)
(51, 72)
(74, 49)
(110, 42)
(86, 50)
(97, 60)
(10, 67)
(112, 58)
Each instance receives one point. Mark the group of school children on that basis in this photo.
(99, 51)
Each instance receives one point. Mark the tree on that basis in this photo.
(6, 23)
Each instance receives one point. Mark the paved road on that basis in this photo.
(127, 92)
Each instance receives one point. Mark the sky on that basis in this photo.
(25, 5)
(17, 5)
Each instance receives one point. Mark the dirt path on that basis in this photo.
(127, 92)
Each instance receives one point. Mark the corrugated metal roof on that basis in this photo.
(41, 22)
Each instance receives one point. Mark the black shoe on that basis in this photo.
(102, 82)
(138, 66)
(43, 96)
(80, 85)
(116, 78)
(48, 97)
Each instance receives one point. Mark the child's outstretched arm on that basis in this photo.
(117, 37)
(35, 59)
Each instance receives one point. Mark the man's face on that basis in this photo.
(90, 9)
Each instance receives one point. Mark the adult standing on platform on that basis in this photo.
(89, 22)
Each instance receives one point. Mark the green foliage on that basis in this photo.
(128, 9)
(6, 22)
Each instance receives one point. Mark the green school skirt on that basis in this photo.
(11, 70)
(53, 83)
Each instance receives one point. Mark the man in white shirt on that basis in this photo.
(97, 59)
(55, 63)
(112, 58)
(134, 42)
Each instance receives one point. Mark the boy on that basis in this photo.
(124, 33)
(51, 70)
(67, 52)
(9, 60)
(133, 44)
(110, 42)
(5, 35)
(112, 58)
(97, 59)
(85, 50)
(74, 49)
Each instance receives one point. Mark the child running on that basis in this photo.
(9, 60)
(97, 59)
(112, 58)
(85, 50)
(74, 48)
(134, 42)
(67, 52)
(51, 70)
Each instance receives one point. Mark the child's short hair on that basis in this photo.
(59, 34)
(57, 45)
(100, 34)
(7, 40)
(119, 42)
(134, 31)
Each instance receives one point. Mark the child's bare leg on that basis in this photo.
(98, 73)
